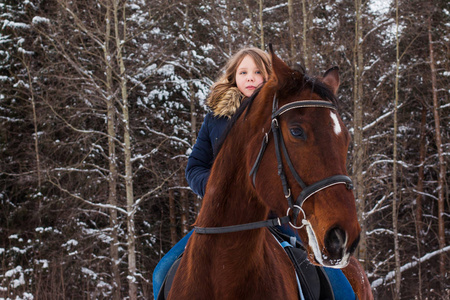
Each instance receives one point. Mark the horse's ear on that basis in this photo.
(280, 71)
(331, 78)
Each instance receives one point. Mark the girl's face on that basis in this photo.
(248, 76)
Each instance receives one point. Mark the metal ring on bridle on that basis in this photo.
(275, 122)
(288, 195)
(304, 216)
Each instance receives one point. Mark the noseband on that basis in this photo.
(280, 150)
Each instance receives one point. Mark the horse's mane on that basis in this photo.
(247, 103)
(301, 81)
(291, 88)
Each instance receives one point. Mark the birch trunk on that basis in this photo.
(229, 28)
(131, 238)
(192, 101)
(113, 173)
(419, 188)
(36, 133)
(305, 35)
(252, 24)
(261, 24)
(440, 188)
(185, 213)
(358, 147)
(394, 171)
(173, 222)
(197, 201)
(291, 32)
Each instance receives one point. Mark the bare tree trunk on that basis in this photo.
(192, 100)
(440, 188)
(193, 112)
(398, 274)
(252, 24)
(261, 24)
(36, 133)
(419, 188)
(173, 221)
(305, 36)
(38, 197)
(185, 211)
(419, 254)
(358, 147)
(291, 32)
(229, 35)
(197, 201)
(131, 238)
(113, 174)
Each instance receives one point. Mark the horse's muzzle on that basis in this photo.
(336, 245)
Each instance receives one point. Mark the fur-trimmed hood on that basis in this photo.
(227, 104)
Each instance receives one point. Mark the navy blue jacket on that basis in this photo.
(202, 157)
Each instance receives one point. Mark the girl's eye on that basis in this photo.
(298, 133)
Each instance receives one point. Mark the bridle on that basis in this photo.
(280, 151)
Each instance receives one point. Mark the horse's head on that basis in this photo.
(305, 160)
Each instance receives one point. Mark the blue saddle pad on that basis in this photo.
(341, 287)
(160, 272)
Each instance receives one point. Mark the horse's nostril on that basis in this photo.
(354, 245)
(335, 241)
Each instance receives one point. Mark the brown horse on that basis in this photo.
(305, 145)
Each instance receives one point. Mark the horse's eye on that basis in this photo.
(298, 132)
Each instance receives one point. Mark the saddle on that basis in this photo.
(314, 281)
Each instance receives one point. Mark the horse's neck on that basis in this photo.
(230, 198)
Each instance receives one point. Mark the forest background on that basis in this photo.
(101, 101)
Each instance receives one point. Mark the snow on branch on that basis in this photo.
(90, 131)
(382, 117)
(14, 25)
(270, 9)
(172, 137)
(426, 194)
(388, 231)
(37, 20)
(377, 206)
(388, 161)
(98, 205)
(391, 275)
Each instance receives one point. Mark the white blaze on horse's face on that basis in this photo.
(336, 126)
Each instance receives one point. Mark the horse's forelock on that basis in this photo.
(290, 82)
(300, 82)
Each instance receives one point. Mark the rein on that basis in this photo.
(280, 151)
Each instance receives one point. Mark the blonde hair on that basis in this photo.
(225, 97)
